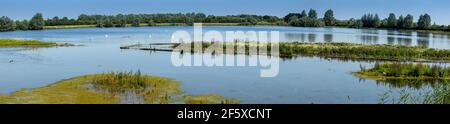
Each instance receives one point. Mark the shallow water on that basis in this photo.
(301, 80)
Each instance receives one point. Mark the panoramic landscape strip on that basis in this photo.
(301, 19)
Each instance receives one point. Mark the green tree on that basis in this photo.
(120, 22)
(22, 25)
(100, 24)
(401, 22)
(6, 24)
(409, 22)
(108, 23)
(424, 22)
(303, 14)
(312, 14)
(151, 23)
(370, 20)
(37, 22)
(136, 22)
(392, 21)
(329, 18)
(289, 16)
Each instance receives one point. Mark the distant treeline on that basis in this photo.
(303, 19)
(121, 20)
(311, 19)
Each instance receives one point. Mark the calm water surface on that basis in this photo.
(301, 80)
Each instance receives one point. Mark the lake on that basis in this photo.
(300, 80)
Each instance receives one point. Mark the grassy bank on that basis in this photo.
(351, 51)
(111, 88)
(69, 26)
(405, 71)
(30, 43)
(25, 43)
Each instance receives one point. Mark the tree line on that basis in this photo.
(303, 19)
(310, 19)
(36, 23)
(122, 20)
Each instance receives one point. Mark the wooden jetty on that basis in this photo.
(151, 47)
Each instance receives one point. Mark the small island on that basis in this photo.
(29, 43)
(112, 88)
(291, 50)
(405, 71)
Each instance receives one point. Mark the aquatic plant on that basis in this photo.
(391, 70)
(438, 95)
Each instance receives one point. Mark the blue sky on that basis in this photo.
(344, 9)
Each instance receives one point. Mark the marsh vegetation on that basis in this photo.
(29, 43)
(25, 43)
(405, 71)
(437, 95)
(112, 88)
(289, 50)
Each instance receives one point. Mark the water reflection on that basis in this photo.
(411, 83)
(404, 41)
(424, 42)
(296, 36)
(328, 37)
(370, 31)
(391, 40)
(404, 33)
(312, 37)
(423, 34)
(369, 39)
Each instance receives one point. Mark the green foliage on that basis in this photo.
(100, 24)
(303, 14)
(108, 23)
(406, 70)
(24, 43)
(370, 20)
(406, 22)
(353, 51)
(136, 22)
(438, 95)
(329, 18)
(392, 21)
(6, 24)
(312, 14)
(151, 23)
(306, 22)
(301, 20)
(112, 88)
(120, 22)
(353, 23)
(424, 22)
(22, 25)
(37, 22)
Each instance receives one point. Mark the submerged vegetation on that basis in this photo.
(112, 88)
(353, 51)
(405, 71)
